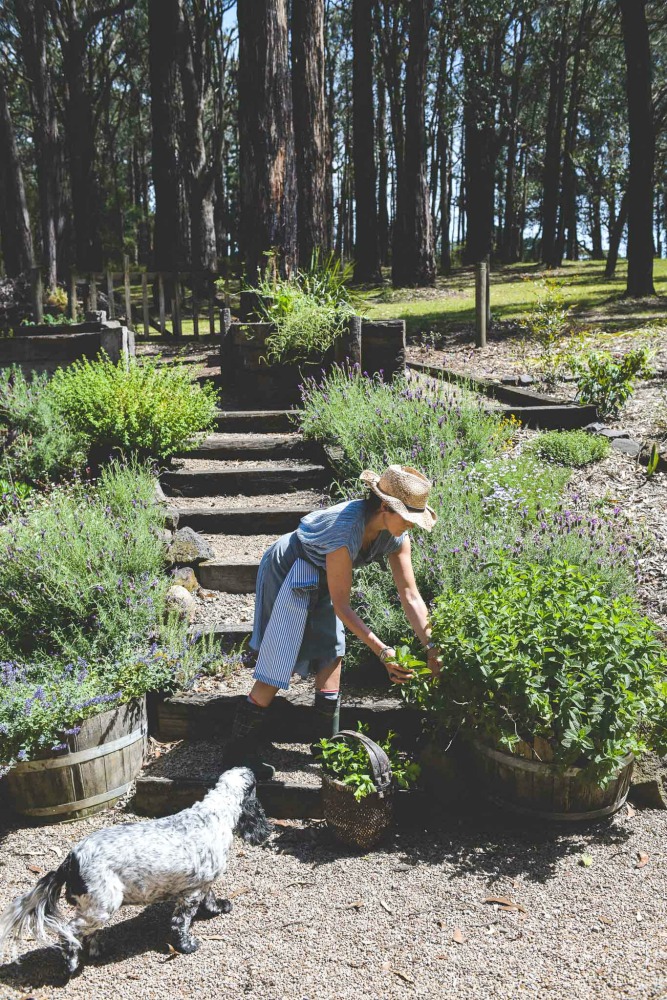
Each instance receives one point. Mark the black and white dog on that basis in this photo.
(176, 858)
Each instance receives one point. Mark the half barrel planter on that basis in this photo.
(544, 790)
(97, 768)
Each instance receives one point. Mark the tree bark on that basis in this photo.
(383, 174)
(413, 257)
(509, 244)
(16, 238)
(266, 138)
(31, 15)
(642, 148)
(163, 35)
(615, 237)
(553, 153)
(310, 129)
(480, 143)
(367, 243)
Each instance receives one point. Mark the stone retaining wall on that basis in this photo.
(44, 352)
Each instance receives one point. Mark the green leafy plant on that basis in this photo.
(546, 324)
(12, 498)
(36, 443)
(573, 448)
(541, 651)
(141, 408)
(348, 762)
(607, 380)
(308, 309)
(49, 319)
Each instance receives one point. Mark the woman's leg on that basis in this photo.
(327, 699)
(327, 677)
(262, 694)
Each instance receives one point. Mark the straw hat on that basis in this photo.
(405, 491)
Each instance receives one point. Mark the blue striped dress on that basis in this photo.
(295, 623)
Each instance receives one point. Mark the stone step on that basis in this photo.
(183, 776)
(253, 480)
(194, 715)
(255, 446)
(248, 520)
(255, 421)
(236, 577)
(227, 635)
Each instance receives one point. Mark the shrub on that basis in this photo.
(608, 381)
(349, 763)
(573, 448)
(81, 574)
(545, 324)
(35, 442)
(542, 651)
(145, 409)
(13, 497)
(308, 309)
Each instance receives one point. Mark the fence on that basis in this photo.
(179, 294)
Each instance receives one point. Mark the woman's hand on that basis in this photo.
(397, 673)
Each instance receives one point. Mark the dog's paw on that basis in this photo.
(186, 946)
(213, 907)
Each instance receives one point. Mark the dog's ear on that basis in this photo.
(253, 826)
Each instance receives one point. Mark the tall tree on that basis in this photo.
(163, 20)
(310, 128)
(266, 138)
(557, 55)
(32, 19)
(637, 47)
(367, 242)
(17, 249)
(413, 256)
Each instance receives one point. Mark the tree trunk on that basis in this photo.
(367, 243)
(642, 148)
(479, 147)
(266, 140)
(509, 244)
(310, 128)
(14, 219)
(383, 174)
(552, 154)
(199, 174)
(163, 35)
(413, 258)
(615, 237)
(31, 16)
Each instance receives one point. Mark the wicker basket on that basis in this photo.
(360, 823)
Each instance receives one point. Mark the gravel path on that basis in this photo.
(217, 608)
(243, 465)
(312, 922)
(240, 548)
(288, 500)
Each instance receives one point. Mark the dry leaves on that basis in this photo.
(630, 811)
(356, 905)
(385, 907)
(505, 903)
(642, 859)
(35, 869)
(457, 936)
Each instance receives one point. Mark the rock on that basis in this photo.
(595, 428)
(184, 576)
(166, 536)
(646, 454)
(171, 519)
(181, 601)
(626, 446)
(189, 547)
(526, 379)
(649, 781)
(613, 434)
(509, 380)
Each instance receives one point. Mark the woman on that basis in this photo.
(303, 601)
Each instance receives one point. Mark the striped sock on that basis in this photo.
(329, 694)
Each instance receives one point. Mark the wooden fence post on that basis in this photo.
(195, 306)
(110, 301)
(144, 303)
(211, 310)
(37, 293)
(92, 293)
(128, 303)
(160, 295)
(481, 271)
(176, 319)
(488, 291)
(73, 309)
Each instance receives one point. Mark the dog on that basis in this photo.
(176, 858)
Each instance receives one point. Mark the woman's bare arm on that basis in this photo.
(339, 579)
(411, 600)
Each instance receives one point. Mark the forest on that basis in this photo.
(407, 137)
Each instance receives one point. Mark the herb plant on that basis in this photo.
(542, 651)
(572, 448)
(608, 381)
(348, 762)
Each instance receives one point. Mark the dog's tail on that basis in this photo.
(36, 912)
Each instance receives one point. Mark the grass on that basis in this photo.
(514, 290)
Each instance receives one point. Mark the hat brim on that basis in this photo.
(425, 519)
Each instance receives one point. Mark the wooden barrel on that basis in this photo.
(545, 791)
(98, 768)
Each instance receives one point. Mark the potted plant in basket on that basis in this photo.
(554, 685)
(358, 780)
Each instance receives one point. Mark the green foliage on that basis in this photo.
(572, 448)
(546, 324)
(146, 409)
(308, 309)
(13, 497)
(48, 319)
(81, 574)
(35, 442)
(607, 380)
(348, 762)
(543, 651)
